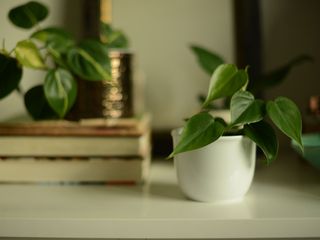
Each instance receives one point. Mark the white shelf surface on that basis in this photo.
(283, 202)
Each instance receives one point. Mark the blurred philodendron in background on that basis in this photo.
(56, 52)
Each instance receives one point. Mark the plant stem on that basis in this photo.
(3, 50)
(233, 132)
(12, 50)
(38, 26)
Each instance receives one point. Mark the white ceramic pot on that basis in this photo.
(220, 172)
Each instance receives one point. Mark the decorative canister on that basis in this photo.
(108, 99)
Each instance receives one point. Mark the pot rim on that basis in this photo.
(178, 130)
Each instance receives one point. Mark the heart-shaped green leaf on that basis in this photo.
(28, 15)
(105, 29)
(98, 51)
(208, 60)
(60, 90)
(118, 40)
(28, 54)
(58, 58)
(285, 114)
(37, 105)
(10, 75)
(55, 38)
(265, 137)
(225, 81)
(199, 131)
(86, 65)
(245, 109)
(113, 38)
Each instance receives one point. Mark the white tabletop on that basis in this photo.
(283, 202)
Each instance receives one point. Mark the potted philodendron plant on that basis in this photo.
(215, 159)
(63, 59)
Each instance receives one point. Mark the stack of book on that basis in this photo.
(93, 150)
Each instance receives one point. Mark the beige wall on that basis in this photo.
(62, 13)
(160, 32)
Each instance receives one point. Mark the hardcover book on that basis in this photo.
(93, 150)
(95, 138)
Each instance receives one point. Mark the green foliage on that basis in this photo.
(10, 75)
(113, 38)
(277, 76)
(225, 81)
(37, 104)
(209, 61)
(55, 51)
(60, 90)
(28, 15)
(84, 65)
(28, 55)
(245, 108)
(265, 137)
(199, 131)
(206, 59)
(247, 116)
(286, 116)
(54, 38)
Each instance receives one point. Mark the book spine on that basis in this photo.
(110, 170)
(24, 146)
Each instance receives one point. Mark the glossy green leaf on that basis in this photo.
(277, 75)
(37, 105)
(118, 40)
(208, 60)
(245, 108)
(58, 58)
(286, 116)
(211, 106)
(105, 29)
(60, 90)
(199, 131)
(86, 65)
(28, 54)
(28, 15)
(113, 38)
(225, 81)
(99, 52)
(265, 137)
(55, 38)
(10, 75)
